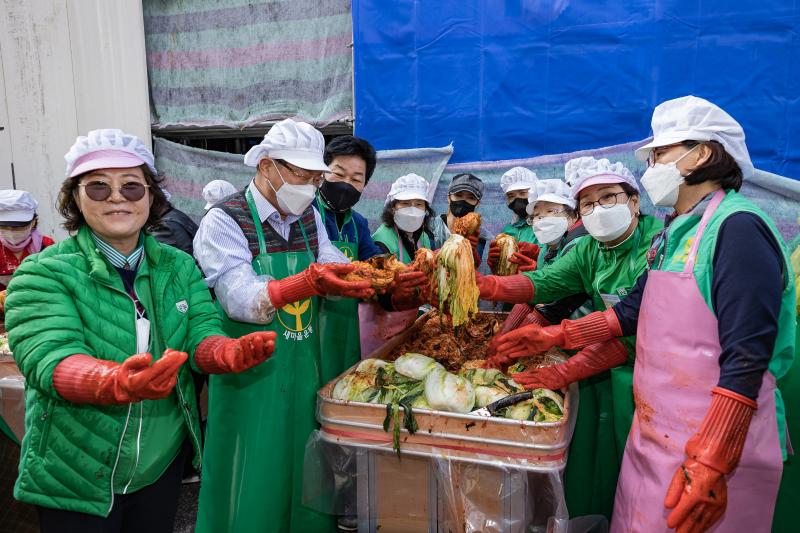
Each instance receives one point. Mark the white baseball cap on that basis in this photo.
(17, 208)
(518, 178)
(408, 187)
(107, 148)
(554, 190)
(298, 143)
(690, 118)
(216, 190)
(583, 172)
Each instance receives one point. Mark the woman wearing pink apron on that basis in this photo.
(715, 324)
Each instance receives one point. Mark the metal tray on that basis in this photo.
(530, 445)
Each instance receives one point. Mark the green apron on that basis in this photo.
(259, 420)
(785, 518)
(340, 345)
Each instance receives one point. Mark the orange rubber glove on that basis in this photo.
(592, 360)
(81, 378)
(570, 334)
(523, 262)
(222, 355)
(317, 280)
(515, 289)
(698, 493)
(530, 250)
(410, 289)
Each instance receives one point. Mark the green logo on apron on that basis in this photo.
(296, 319)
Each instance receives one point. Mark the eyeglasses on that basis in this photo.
(549, 213)
(308, 177)
(100, 191)
(607, 201)
(655, 153)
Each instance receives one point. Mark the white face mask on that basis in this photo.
(293, 199)
(15, 236)
(409, 218)
(662, 182)
(607, 224)
(549, 229)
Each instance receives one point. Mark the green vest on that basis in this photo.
(680, 238)
(389, 238)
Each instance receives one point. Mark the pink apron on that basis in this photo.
(677, 352)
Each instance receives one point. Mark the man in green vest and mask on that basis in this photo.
(352, 161)
(265, 252)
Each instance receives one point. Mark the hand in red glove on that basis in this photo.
(81, 378)
(317, 280)
(221, 355)
(570, 334)
(698, 493)
(512, 289)
(523, 262)
(493, 256)
(529, 249)
(592, 360)
(410, 289)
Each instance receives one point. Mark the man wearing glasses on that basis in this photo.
(267, 255)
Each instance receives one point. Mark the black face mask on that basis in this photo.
(459, 208)
(519, 206)
(339, 196)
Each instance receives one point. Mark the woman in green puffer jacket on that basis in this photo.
(107, 432)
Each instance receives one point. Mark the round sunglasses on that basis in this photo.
(100, 191)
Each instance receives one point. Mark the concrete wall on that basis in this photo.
(67, 66)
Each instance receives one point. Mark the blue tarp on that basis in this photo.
(504, 80)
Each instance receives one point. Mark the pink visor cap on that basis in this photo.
(602, 179)
(105, 159)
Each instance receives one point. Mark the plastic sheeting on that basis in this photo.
(518, 78)
(434, 493)
(238, 63)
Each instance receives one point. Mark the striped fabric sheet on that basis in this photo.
(188, 169)
(240, 63)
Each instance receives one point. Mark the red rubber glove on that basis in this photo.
(317, 280)
(698, 493)
(409, 290)
(530, 250)
(473, 241)
(222, 355)
(570, 334)
(81, 378)
(523, 262)
(515, 289)
(592, 360)
(535, 317)
(493, 256)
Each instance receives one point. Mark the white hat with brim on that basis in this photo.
(17, 208)
(409, 195)
(301, 158)
(690, 118)
(666, 139)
